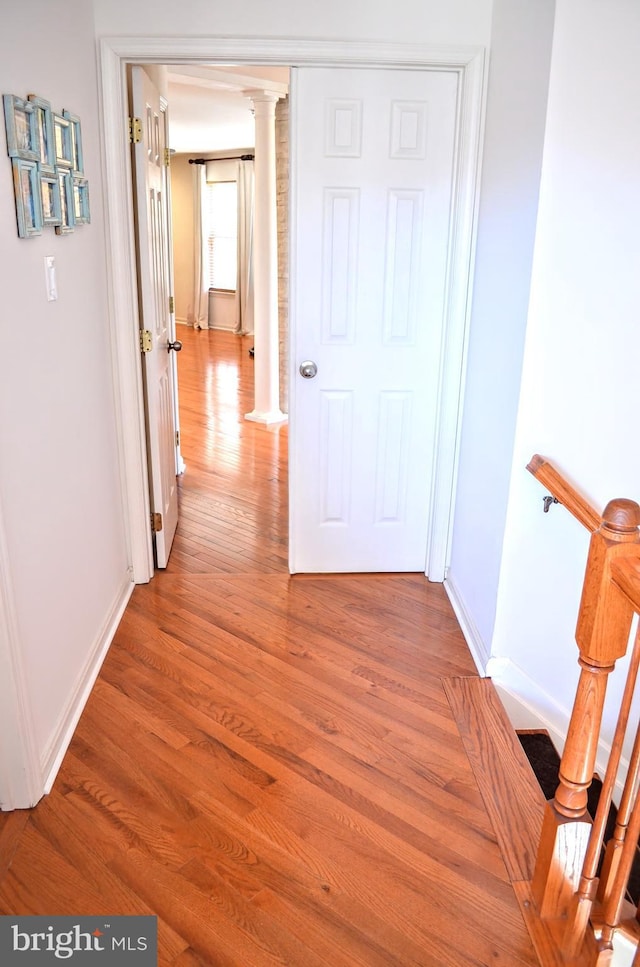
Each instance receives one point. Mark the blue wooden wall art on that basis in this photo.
(49, 180)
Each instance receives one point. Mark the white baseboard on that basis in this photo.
(54, 754)
(527, 705)
(185, 322)
(477, 647)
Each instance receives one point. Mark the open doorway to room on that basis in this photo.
(233, 488)
(233, 493)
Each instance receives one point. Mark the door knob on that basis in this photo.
(308, 369)
(176, 346)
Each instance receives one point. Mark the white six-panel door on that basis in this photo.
(153, 253)
(371, 206)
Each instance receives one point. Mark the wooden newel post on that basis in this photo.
(602, 634)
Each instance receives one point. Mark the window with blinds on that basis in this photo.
(222, 234)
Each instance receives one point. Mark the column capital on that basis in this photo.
(263, 96)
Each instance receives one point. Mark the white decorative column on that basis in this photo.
(266, 406)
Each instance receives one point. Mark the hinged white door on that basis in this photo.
(154, 282)
(373, 160)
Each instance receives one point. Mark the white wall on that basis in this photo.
(579, 400)
(59, 482)
(406, 21)
(517, 95)
(222, 310)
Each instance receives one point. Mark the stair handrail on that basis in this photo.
(564, 492)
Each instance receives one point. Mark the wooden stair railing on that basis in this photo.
(564, 493)
(567, 896)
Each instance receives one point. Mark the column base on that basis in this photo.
(272, 416)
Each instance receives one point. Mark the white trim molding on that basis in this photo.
(464, 212)
(115, 54)
(122, 288)
(529, 706)
(477, 647)
(208, 50)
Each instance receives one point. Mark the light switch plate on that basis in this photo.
(50, 277)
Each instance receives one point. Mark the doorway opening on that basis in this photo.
(234, 492)
(223, 461)
(468, 66)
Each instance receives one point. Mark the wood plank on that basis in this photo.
(11, 829)
(509, 788)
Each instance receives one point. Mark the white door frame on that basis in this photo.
(21, 773)
(115, 54)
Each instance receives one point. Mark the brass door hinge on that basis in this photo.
(135, 130)
(146, 342)
(167, 157)
(172, 305)
(156, 523)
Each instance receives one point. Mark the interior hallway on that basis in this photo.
(269, 764)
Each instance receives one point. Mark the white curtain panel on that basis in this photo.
(198, 314)
(244, 287)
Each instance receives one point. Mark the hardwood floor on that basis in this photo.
(269, 763)
(233, 497)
